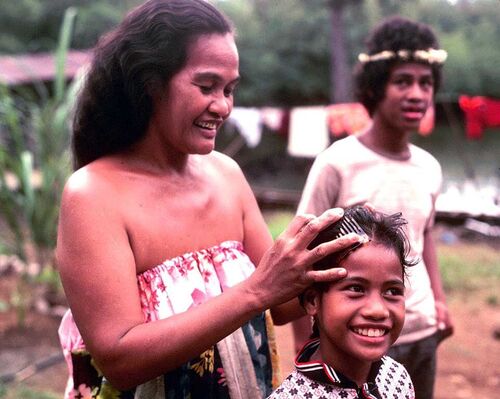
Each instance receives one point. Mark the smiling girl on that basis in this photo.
(356, 319)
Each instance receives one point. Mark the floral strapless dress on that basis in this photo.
(243, 365)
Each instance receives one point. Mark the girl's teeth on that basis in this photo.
(369, 332)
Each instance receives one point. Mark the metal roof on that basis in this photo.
(20, 69)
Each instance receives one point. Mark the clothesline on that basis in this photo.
(308, 129)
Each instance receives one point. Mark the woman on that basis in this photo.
(159, 234)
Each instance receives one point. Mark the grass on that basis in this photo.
(23, 392)
(468, 267)
(277, 221)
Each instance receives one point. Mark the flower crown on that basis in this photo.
(432, 56)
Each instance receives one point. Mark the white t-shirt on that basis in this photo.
(348, 173)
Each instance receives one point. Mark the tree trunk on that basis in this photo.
(340, 73)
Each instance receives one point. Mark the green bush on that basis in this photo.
(34, 163)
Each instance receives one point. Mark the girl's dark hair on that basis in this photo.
(381, 229)
(131, 65)
(393, 34)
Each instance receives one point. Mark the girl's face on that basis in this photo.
(408, 94)
(360, 316)
(199, 98)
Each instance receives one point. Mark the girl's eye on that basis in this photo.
(395, 291)
(354, 288)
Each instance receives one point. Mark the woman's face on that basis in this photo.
(199, 98)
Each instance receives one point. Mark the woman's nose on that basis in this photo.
(221, 105)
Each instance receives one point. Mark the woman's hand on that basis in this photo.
(285, 270)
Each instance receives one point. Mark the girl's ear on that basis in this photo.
(311, 301)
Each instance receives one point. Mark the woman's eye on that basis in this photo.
(206, 89)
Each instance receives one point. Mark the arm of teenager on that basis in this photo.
(430, 259)
(98, 272)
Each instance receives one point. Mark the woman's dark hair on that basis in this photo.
(393, 34)
(131, 65)
(381, 229)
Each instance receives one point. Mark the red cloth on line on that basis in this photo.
(480, 113)
(349, 118)
(427, 123)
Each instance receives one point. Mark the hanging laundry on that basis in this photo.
(248, 121)
(349, 118)
(480, 113)
(308, 134)
(284, 129)
(272, 117)
(427, 122)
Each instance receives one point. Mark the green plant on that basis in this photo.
(34, 162)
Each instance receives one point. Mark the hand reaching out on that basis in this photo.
(286, 268)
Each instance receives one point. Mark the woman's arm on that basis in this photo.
(98, 272)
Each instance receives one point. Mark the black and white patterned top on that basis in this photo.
(315, 380)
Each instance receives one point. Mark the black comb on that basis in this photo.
(348, 225)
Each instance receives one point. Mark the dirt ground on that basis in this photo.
(468, 367)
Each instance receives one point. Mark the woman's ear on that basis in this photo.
(312, 298)
(156, 91)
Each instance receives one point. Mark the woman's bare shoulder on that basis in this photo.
(224, 164)
(95, 181)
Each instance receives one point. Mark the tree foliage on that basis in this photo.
(285, 44)
(33, 25)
